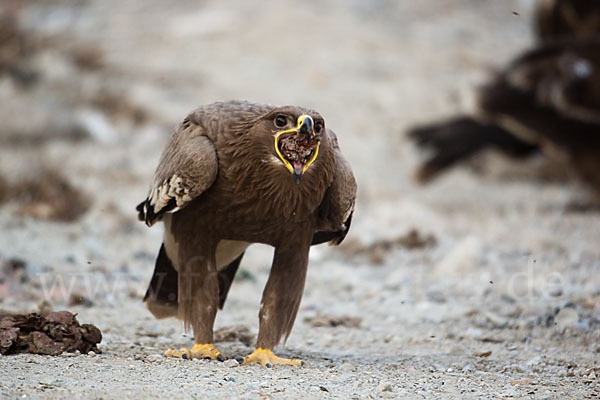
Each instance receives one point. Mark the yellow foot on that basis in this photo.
(198, 351)
(266, 358)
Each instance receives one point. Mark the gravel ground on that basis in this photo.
(504, 303)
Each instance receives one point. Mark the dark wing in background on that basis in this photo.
(549, 98)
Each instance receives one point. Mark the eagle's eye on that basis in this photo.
(280, 121)
(318, 127)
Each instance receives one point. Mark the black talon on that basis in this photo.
(220, 358)
(240, 360)
(185, 356)
(268, 365)
(302, 363)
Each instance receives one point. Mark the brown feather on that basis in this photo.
(161, 295)
(559, 19)
(187, 168)
(283, 292)
(335, 213)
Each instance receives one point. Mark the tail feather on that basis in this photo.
(161, 295)
(226, 276)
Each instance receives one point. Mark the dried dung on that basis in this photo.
(50, 196)
(378, 250)
(116, 106)
(88, 57)
(15, 269)
(77, 299)
(16, 50)
(3, 189)
(334, 321)
(239, 333)
(51, 335)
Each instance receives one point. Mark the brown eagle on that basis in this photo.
(547, 99)
(236, 173)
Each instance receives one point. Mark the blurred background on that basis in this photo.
(486, 257)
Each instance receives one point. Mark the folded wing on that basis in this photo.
(335, 213)
(188, 167)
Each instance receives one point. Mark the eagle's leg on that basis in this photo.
(266, 358)
(198, 298)
(198, 351)
(280, 302)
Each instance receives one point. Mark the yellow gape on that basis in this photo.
(281, 157)
(314, 157)
(301, 120)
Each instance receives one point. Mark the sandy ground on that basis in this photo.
(505, 304)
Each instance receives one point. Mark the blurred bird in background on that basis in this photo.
(547, 99)
(558, 19)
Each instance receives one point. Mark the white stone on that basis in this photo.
(566, 318)
(231, 363)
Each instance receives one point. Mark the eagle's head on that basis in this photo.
(296, 138)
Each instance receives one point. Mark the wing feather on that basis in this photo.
(187, 168)
(563, 77)
(337, 208)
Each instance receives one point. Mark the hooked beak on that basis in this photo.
(306, 127)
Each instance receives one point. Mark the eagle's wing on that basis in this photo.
(562, 78)
(187, 168)
(335, 212)
(550, 97)
(455, 140)
(546, 99)
(559, 19)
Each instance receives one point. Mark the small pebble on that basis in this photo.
(523, 381)
(155, 357)
(567, 317)
(384, 387)
(347, 367)
(514, 368)
(536, 362)
(231, 363)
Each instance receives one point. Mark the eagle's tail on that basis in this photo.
(161, 296)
